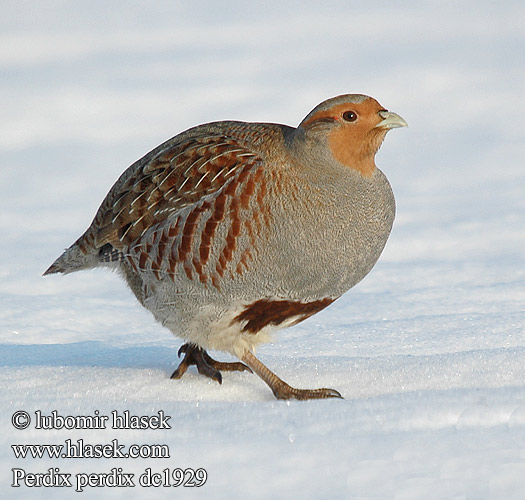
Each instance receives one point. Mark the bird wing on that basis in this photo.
(164, 183)
(197, 217)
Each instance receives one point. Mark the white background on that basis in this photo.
(428, 351)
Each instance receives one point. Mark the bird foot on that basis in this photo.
(280, 388)
(285, 391)
(206, 365)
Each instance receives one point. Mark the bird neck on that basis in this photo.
(336, 148)
(360, 155)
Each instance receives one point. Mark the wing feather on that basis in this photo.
(161, 185)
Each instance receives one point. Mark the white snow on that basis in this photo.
(428, 351)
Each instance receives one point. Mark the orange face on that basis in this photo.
(353, 136)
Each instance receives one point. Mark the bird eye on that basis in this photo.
(350, 116)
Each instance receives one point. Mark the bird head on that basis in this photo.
(350, 128)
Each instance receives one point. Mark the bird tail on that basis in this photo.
(73, 259)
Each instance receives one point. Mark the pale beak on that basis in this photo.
(390, 120)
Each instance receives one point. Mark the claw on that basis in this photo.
(206, 365)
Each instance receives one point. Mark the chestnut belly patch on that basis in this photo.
(264, 312)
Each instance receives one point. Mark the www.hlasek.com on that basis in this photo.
(77, 448)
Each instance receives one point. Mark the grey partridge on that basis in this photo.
(231, 230)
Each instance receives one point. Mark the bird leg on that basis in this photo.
(281, 389)
(206, 365)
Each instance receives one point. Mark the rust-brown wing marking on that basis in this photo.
(168, 212)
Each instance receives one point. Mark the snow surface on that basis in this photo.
(428, 351)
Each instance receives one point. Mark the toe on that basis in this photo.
(180, 371)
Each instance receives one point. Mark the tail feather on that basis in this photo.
(73, 259)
